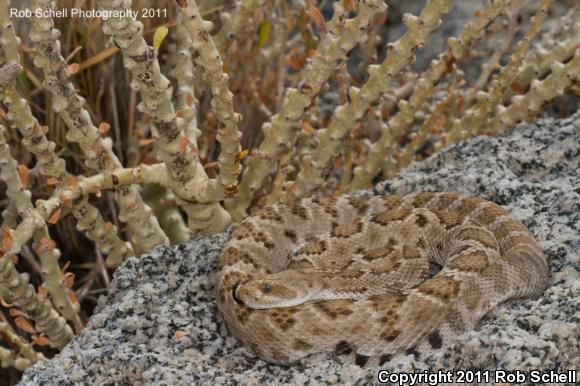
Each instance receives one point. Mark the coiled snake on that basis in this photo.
(351, 274)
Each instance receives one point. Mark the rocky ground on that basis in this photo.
(159, 324)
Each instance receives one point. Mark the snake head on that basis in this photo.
(283, 289)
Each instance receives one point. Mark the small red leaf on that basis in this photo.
(183, 141)
(14, 312)
(73, 298)
(66, 201)
(72, 182)
(73, 68)
(43, 292)
(189, 100)
(23, 173)
(348, 6)
(517, 87)
(181, 334)
(104, 127)
(317, 17)
(6, 239)
(55, 216)
(24, 324)
(145, 142)
(51, 181)
(40, 340)
(47, 243)
(69, 279)
(107, 226)
(307, 128)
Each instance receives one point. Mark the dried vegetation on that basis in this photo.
(119, 135)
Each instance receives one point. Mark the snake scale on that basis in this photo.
(354, 274)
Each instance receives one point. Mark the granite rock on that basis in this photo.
(159, 324)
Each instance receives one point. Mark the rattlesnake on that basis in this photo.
(352, 274)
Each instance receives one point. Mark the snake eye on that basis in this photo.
(267, 288)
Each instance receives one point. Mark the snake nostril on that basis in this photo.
(235, 294)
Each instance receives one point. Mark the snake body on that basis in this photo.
(352, 274)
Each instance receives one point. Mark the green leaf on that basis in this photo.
(160, 34)
(264, 32)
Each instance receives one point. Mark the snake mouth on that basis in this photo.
(235, 294)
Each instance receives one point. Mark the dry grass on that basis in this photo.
(263, 60)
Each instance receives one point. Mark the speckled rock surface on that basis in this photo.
(131, 338)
